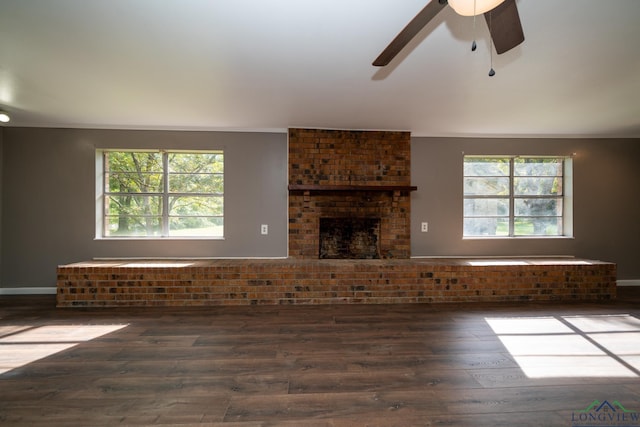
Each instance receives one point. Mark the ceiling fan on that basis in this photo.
(501, 16)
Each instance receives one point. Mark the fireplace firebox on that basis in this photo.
(349, 238)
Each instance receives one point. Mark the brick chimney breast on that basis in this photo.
(359, 175)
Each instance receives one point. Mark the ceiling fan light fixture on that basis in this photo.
(466, 7)
(4, 117)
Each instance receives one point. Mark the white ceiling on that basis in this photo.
(273, 64)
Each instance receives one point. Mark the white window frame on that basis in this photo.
(165, 194)
(566, 197)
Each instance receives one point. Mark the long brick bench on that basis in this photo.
(183, 282)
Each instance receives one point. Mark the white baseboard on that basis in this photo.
(28, 291)
(628, 282)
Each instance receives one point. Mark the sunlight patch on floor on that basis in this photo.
(624, 345)
(605, 323)
(572, 346)
(23, 344)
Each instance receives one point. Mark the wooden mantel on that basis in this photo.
(316, 187)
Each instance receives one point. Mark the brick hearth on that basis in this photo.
(286, 281)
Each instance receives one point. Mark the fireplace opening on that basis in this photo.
(349, 238)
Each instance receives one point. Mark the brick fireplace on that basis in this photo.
(355, 178)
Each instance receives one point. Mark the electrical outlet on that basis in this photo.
(425, 227)
(264, 229)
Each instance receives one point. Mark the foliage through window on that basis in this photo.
(163, 193)
(514, 196)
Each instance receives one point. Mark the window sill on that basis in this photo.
(518, 238)
(155, 239)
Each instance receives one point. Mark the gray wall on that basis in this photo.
(606, 203)
(49, 199)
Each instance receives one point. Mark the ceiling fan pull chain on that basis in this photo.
(492, 72)
(474, 46)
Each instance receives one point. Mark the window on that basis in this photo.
(161, 194)
(516, 196)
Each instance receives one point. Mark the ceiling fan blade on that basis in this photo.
(505, 26)
(409, 32)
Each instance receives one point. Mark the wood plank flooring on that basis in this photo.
(341, 365)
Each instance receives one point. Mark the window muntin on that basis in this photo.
(163, 193)
(514, 196)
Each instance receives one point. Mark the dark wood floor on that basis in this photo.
(387, 365)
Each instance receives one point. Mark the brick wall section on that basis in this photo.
(346, 157)
(336, 157)
(271, 282)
